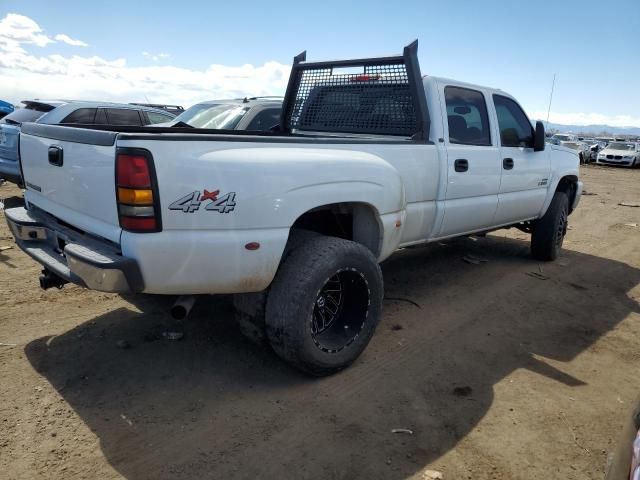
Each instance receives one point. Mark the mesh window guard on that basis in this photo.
(378, 96)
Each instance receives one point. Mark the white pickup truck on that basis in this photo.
(370, 156)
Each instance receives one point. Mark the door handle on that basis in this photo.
(507, 163)
(55, 155)
(461, 165)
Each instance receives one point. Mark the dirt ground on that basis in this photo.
(509, 369)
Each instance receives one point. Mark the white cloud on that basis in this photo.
(582, 118)
(61, 37)
(24, 75)
(16, 30)
(155, 57)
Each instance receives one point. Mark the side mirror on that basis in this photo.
(538, 140)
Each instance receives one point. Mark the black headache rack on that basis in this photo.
(377, 96)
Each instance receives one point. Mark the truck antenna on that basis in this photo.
(553, 84)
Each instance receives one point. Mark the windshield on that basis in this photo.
(621, 146)
(562, 138)
(219, 116)
(22, 115)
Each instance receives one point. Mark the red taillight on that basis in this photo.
(133, 171)
(135, 191)
(138, 224)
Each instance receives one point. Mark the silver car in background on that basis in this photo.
(625, 154)
(66, 112)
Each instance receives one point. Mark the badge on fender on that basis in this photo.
(191, 203)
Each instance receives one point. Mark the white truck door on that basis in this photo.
(473, 162)
(525, 173)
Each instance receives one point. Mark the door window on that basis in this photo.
(123, 116)
(265, 119)
(515, 128)
(467, 116)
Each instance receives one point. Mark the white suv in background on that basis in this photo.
(67, 112)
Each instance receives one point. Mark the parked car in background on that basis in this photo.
(583, 150)
(574, 143)
(604, 141)
(5, 108)
(626, 154)
(558, 138)
(175, 109)
(67, 112)
(595, 149)
(255, 113)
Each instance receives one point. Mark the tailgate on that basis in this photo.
(69, 173)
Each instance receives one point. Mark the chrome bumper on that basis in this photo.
(73, 256)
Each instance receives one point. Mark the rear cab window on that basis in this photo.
(377, 107)
(467, 116)
(515, 128)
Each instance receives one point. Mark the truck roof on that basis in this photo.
(451, 81)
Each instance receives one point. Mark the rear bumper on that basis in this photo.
(73, 256)
(621, 163)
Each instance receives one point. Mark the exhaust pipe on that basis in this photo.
(49, 279)
(182, 307)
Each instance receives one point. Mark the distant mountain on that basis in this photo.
(593, 129)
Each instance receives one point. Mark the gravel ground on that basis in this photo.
(509, 369)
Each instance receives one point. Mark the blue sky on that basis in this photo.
(593, 47)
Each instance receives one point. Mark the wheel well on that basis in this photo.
(352, 221)
(568, 185)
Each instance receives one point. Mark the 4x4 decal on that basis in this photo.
(191, 203)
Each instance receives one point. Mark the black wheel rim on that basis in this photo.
(562, 227)
(340, 310)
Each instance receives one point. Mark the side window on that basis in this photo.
(101, 117)
(515, 128)
(82, 115)
(155, 117)
(123, 116)
(467, 116)
(265, 119)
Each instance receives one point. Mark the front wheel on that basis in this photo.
(549, 231)
(324, 305)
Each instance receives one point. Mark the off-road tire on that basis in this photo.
(549, 231)
(309, 274)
